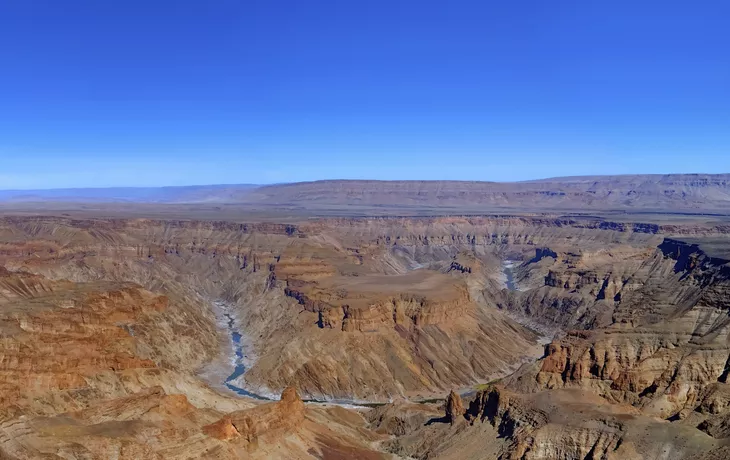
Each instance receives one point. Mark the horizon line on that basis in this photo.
(245, 184)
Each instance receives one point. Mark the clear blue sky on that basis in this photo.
(157, 92)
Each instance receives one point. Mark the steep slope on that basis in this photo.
(104, 370)
(640, 371)
(655, 331)
(554, 425)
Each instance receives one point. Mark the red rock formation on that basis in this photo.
(454, 408)
(285, 415)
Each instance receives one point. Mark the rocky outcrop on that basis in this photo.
(454, 408)
(573, 424)
(402, 418)
(542, 253)
(456, 266)
(579, 289)
(68, 335)
(249, 425)
(506, 412)
(667, 342)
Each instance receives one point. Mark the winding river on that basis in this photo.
(507, 267)
(240, 357)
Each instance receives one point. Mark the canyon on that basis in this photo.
(514, 335)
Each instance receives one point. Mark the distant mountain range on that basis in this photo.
(673, 192)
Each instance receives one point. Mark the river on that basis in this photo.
(507, 268)
(240, 357)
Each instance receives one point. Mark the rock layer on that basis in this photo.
(111, 321)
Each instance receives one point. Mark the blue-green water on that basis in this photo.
(240, 367)
(508, 267)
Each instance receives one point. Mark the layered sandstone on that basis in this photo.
(102, 370)
(410, 290)
(111, 320)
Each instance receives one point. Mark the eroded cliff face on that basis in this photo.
(644, 350)
(308, 296)
(106, 370)
(358, 308)
(561, 424)
(100, 353)
(62, 338)
(664, 344)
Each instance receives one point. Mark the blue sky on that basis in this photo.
(144, 93)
